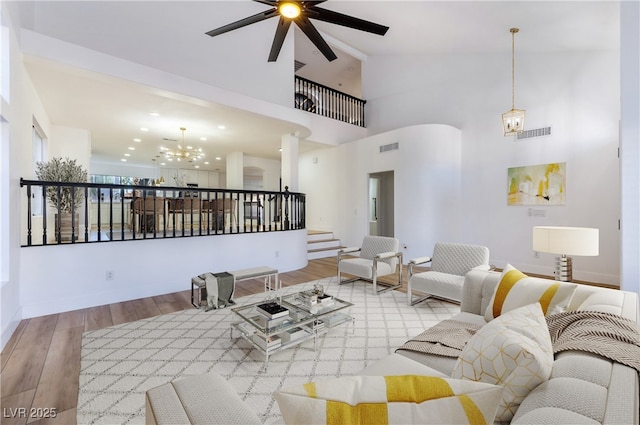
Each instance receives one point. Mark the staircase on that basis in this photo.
(322, 244)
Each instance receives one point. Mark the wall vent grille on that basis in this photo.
(390, 147)
(536, 132)
(297, 65)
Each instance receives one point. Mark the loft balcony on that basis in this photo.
(327, 102)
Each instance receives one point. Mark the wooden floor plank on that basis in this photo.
(15, 408)
(162, 299)
(123, 312)
(25, 364)
(61, 370)
(71, 319)
(8, 348)
(98, 318)
(146, 308)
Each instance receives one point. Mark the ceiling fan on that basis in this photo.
(300, 12)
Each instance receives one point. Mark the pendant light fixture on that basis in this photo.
(513, 120)
(183, 152)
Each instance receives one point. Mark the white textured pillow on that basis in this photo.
(516, 289)
(514, 351)
(604, 301)
(398, 399)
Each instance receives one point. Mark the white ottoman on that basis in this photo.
(200, 399)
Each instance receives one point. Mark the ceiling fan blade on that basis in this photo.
(312, 33)
(348, 21)
(281, 33)
(273, 3)
(244, 22)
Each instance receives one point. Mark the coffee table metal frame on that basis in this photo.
(314, 321)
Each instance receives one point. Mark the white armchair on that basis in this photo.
(378, 257)
(449, 264)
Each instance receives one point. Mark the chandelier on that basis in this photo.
(513, 120)
(183, 152)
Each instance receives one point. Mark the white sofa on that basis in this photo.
(583, 389)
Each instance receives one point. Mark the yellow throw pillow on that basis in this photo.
(516, 289)
(378, 400)
(514, 351)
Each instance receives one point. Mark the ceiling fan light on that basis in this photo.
(289, 9)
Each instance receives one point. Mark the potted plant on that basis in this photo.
(65, 170)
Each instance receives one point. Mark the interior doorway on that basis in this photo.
(381, 204)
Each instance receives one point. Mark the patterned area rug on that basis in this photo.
(120, 363)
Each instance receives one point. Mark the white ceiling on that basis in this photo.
(154, 33)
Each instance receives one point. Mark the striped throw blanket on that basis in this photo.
(608, 335)
(446, 338)
(605, 334)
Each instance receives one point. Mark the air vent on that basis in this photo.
(537, 132)
(390, 147)
(298, 65)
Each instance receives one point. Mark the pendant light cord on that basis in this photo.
(513, 70)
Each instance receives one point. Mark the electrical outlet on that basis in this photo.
(108, 275)
(536, 254)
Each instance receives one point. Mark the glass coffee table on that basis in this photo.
(303, 320)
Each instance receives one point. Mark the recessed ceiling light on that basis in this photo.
(123, 159)
(203, 138)
(196, 166)
(221, 127)
(163, 163)
(154, 114)
(206, 163)
(218, 158)
(137, 140)
(131, 148)
(127, 154)
(144, 129)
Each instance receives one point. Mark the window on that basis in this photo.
(38, 148)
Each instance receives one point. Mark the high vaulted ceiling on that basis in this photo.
(169, 35)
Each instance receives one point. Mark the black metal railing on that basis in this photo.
(113, 212)
(322, 100)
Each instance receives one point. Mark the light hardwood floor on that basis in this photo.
(41, 361)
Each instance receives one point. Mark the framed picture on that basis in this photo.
(543, 184)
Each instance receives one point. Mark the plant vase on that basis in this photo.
(64, 227)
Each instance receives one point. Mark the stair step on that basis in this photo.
(322, 244)
(316, 235)
(323, 253)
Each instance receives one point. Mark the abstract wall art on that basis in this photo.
(543, 184)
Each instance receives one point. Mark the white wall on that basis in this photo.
(576, 93)
(19, 109)
(71, 277)
(270, 168)
(427, 180)
(630, 144)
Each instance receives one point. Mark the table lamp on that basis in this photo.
(565, 241)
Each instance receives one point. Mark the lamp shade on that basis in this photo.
(566, 240)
